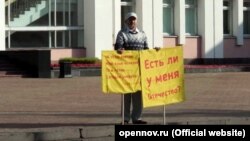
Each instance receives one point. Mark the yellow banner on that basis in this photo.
(162, 76)
(120, 72)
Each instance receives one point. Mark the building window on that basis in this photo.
(246, 17)
(43, 23)
(227, 17)
(168, 17)
(126, 6)
(191, 17)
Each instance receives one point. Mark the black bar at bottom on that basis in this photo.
(181, 132)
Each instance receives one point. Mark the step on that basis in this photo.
(96, 71)
(12, 73)
(217, 68)
(7, 69)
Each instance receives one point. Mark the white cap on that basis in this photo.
(130, 14)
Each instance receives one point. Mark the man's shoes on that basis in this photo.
(135, 122)
(139, 122)
(125, 122)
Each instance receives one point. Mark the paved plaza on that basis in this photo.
(43, 105)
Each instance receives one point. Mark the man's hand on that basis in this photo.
(157, 48)
(120, 50)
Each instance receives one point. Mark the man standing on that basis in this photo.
(131, 38)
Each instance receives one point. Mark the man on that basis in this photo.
(131, 38)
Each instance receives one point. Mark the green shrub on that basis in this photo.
(86, 60)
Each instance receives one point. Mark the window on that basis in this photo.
(191, 17)
(168, 17)
(46, 23)
(227, 17)
(246, 17)
(126, 6)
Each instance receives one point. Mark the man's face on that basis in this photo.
(132, 23)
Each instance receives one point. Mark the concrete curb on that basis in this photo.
(93, 133)
(217, 70)
(78, 72)
(96, 71)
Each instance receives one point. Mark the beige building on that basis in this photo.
(207, 29)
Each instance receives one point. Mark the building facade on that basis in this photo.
(207, 29)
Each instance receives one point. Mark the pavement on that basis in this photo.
(75, 109)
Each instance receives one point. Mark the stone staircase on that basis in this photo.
(8, 69)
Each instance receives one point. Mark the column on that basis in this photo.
(150, 20)
(145, 18)
(218, 29)
(2, 25)
(210, 17)
(180, 25)
(206, 27)
(157, 23)
(116, 18)
(98, 26)
(238, 21)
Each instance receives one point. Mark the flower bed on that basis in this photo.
(79, 62)
(85, 65)
(78, 65)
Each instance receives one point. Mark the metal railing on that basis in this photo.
(18, 7)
